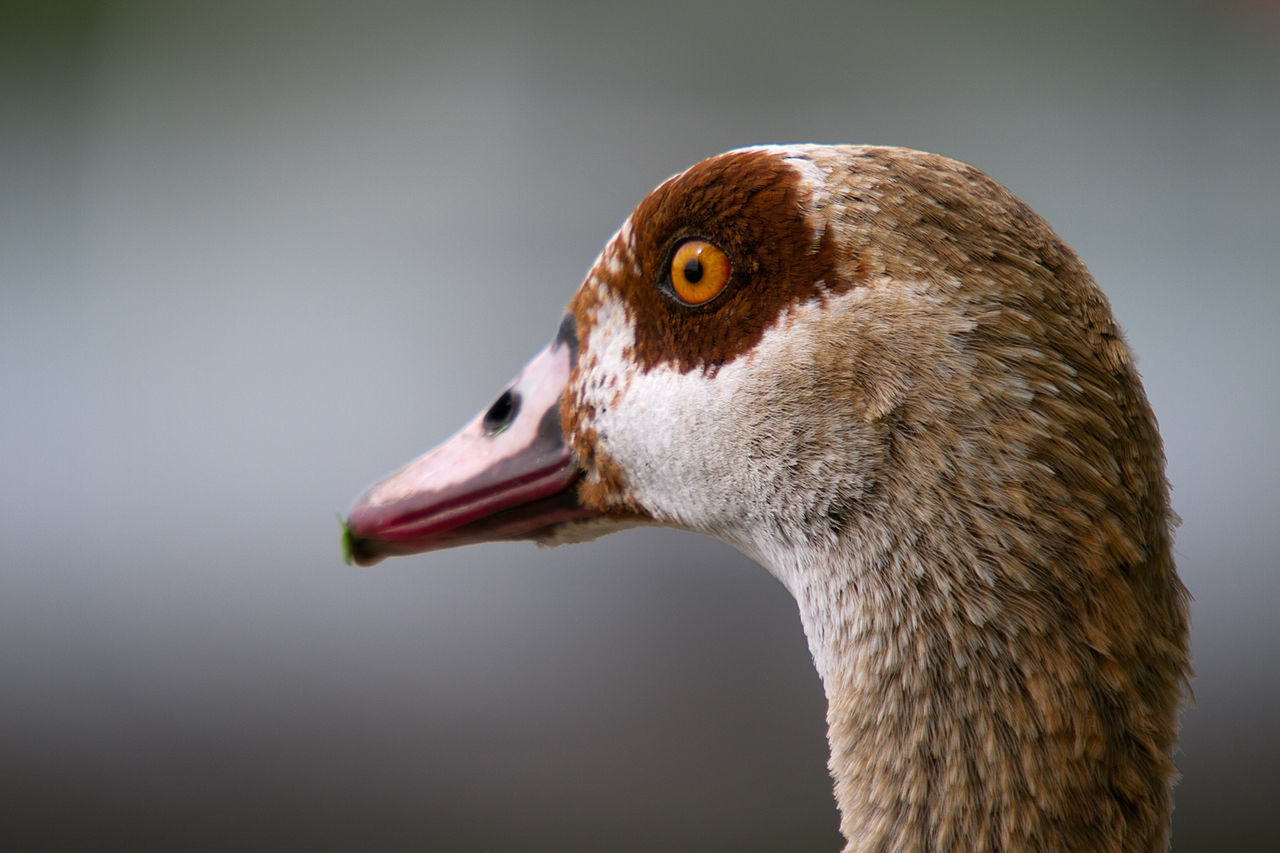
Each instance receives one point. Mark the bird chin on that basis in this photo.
(586, 529)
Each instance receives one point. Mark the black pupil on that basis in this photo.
(693, 270)
(502, 412)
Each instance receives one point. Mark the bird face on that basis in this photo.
(667, 394)
(740, 358)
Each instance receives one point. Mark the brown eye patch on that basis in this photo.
(750, 206)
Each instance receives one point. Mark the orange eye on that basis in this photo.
(699, 271)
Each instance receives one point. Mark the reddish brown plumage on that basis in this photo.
(751, 206)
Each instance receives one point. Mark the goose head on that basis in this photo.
(883, 377)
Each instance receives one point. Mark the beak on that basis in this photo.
(509, 474)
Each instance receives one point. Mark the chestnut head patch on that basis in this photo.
(753, 213)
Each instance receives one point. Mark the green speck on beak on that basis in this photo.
(348, 542)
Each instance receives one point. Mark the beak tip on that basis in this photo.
(354, 551)
(348, 541)
(357, 550)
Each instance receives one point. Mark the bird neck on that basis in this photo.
(965, 714)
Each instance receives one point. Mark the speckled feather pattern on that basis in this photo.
(913, 406)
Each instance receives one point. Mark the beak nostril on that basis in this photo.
(502, 412)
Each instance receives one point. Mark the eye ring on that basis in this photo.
(698, 272)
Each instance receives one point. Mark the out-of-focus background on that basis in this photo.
(255, 254)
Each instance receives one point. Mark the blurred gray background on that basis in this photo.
(253, 255)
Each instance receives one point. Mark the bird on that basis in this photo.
(882, 376)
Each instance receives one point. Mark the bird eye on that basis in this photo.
(699, 271)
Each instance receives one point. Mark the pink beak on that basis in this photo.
(509, 474)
